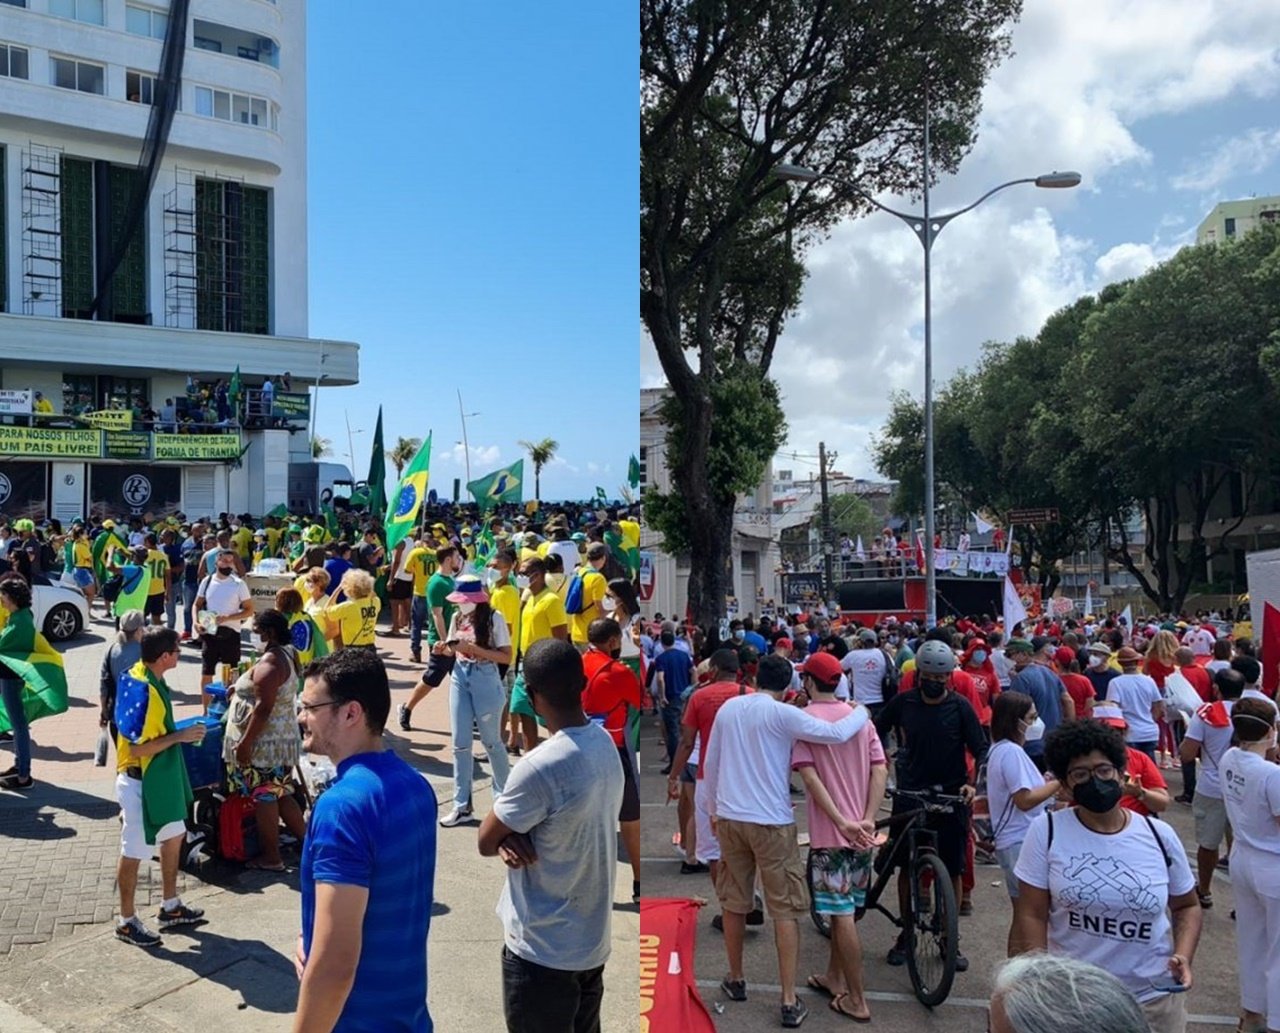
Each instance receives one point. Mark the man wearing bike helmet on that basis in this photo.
(935, 726)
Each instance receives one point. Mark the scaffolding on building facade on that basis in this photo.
(42, 230)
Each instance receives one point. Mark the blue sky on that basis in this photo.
(473, 181)
(1166, 107)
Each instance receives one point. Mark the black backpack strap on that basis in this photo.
(1049, 843)
(1168, 861)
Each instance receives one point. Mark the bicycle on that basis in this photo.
(932, 930)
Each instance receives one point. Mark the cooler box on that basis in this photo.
(263, 588)
(204, 760)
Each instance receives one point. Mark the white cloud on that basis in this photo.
(1250, 152)
(482, 456)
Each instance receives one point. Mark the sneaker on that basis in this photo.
(134, 932)
(180, 915)
(416, 657)
(755, 917)
(794, 1014)
(185, 637)
(962, 963)
(402, 712)
(697, 868)
(14, 782)
(897, 955)
(666, 770)
(456, 817)
(734, 989)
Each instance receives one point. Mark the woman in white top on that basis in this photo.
(1016, 791)
(1251, 790)
(480, 639)
(1103, 884)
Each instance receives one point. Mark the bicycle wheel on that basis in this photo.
(932, 931)
(821, 922)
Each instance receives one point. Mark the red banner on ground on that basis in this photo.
(668, 993)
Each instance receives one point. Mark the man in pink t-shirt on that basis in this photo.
(845, 786)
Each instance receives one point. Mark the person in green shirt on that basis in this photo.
(439, 613)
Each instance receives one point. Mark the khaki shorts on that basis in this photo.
(1211, 821)
(772, 850)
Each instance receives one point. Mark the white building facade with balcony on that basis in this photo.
(754, 552)
(214, 281)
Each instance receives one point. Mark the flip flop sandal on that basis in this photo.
(838, 1008)
(1206, 900)
(816, 982)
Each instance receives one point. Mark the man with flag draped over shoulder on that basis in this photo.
(33, 682)
(152, 786)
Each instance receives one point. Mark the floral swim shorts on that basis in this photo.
(265, 784)
(840, 879)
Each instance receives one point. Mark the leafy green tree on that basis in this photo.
(401, 455)
(728, 91)
(321, 447)
(540, 454)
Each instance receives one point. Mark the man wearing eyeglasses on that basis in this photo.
(368, 863)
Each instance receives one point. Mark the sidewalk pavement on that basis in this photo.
(62, 968)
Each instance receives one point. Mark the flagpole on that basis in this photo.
(466, 449)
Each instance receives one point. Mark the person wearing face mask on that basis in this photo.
(542, 616)
(1098, 668)
(480, 639)
(1016, 791)
(935, 728)
(1251, 790)
(1079, 687)
(227, 597)
(504, 597)
(1033, 677)
(1100, 883)
(261, 743)
(611, 695)
(594, 587)
(439, 614)
(975, 661)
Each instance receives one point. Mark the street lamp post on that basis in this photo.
(926, 227)
(466, 449)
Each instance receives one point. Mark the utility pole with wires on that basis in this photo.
(826, 516)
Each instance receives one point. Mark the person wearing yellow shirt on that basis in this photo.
(82, 564)
(594, 584)
(421, 563)
(556, 579)
(352, 624)
(541, 616)
(42, 405)
(504, 597)
(158, 565)
(272, 532)
(242, 539)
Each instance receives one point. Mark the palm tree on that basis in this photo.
(403, 453)
(541, 453)
(321, 447)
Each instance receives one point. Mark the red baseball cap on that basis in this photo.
(1065, 655)
(784, 643)
(824, 668)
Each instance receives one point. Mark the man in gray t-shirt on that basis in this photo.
(555, 827)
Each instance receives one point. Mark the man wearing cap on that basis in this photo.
(1034, 677)
(1098, 668)
(1140, 701)
(593, 592)
(746, 781)
(865, 665)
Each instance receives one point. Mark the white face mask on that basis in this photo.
(466, 608)
(1034, 731)
(609, 604)
(1096, 661)
(522, 582)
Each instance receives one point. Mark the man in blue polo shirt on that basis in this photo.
(670, 674)
(368, 864)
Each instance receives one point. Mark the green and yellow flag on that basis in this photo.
(403, 510)
(102, 545)
(28, 655)
(505, 485)
(133, 593)
(307, 638)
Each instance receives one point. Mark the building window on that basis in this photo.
(644, 467)
(234, 107)
(78, 393)
(14, 3)
(233, 258)
(139, 87)
(78, 10)
(142, 21)
(204, 43)
(77, 75)
(1230, 227)
(1270, 215)
(124, 393)
(13, 61)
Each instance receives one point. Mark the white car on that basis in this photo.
(60, 611)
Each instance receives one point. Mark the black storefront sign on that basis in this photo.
(126, 444)
(802, 589)
(121, 492)
(24, 491)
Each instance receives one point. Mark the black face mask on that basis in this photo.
(224, 571)
(932, 689)
(1098, 795)
(615, 653)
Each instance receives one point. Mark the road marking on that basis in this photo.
(893, 997)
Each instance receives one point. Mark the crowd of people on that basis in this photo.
(532, 621)
(1058, 739)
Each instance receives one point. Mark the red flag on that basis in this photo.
(920, 551)
(668, 993)
(1270, 649)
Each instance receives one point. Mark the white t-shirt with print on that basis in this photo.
(1214, 742)
(865, 668)
(1251, 791)
(1109, 894)
(1009, 769)
(1135, 693)
(225, 596)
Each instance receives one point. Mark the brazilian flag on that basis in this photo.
(403, 510)
(625, 546)
(145, 712)
(28, 655)
(102, 545)
(133, 593)
(505, 485)
(307, 638)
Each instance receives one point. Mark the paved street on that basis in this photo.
(62, 969)
(1213, 1000)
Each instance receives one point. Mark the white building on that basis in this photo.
(754, 550)
(215, 279)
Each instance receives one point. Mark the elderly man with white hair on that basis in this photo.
(1049, 993)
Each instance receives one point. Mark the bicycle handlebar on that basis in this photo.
(928, 797)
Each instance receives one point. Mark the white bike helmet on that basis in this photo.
(935, 658)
